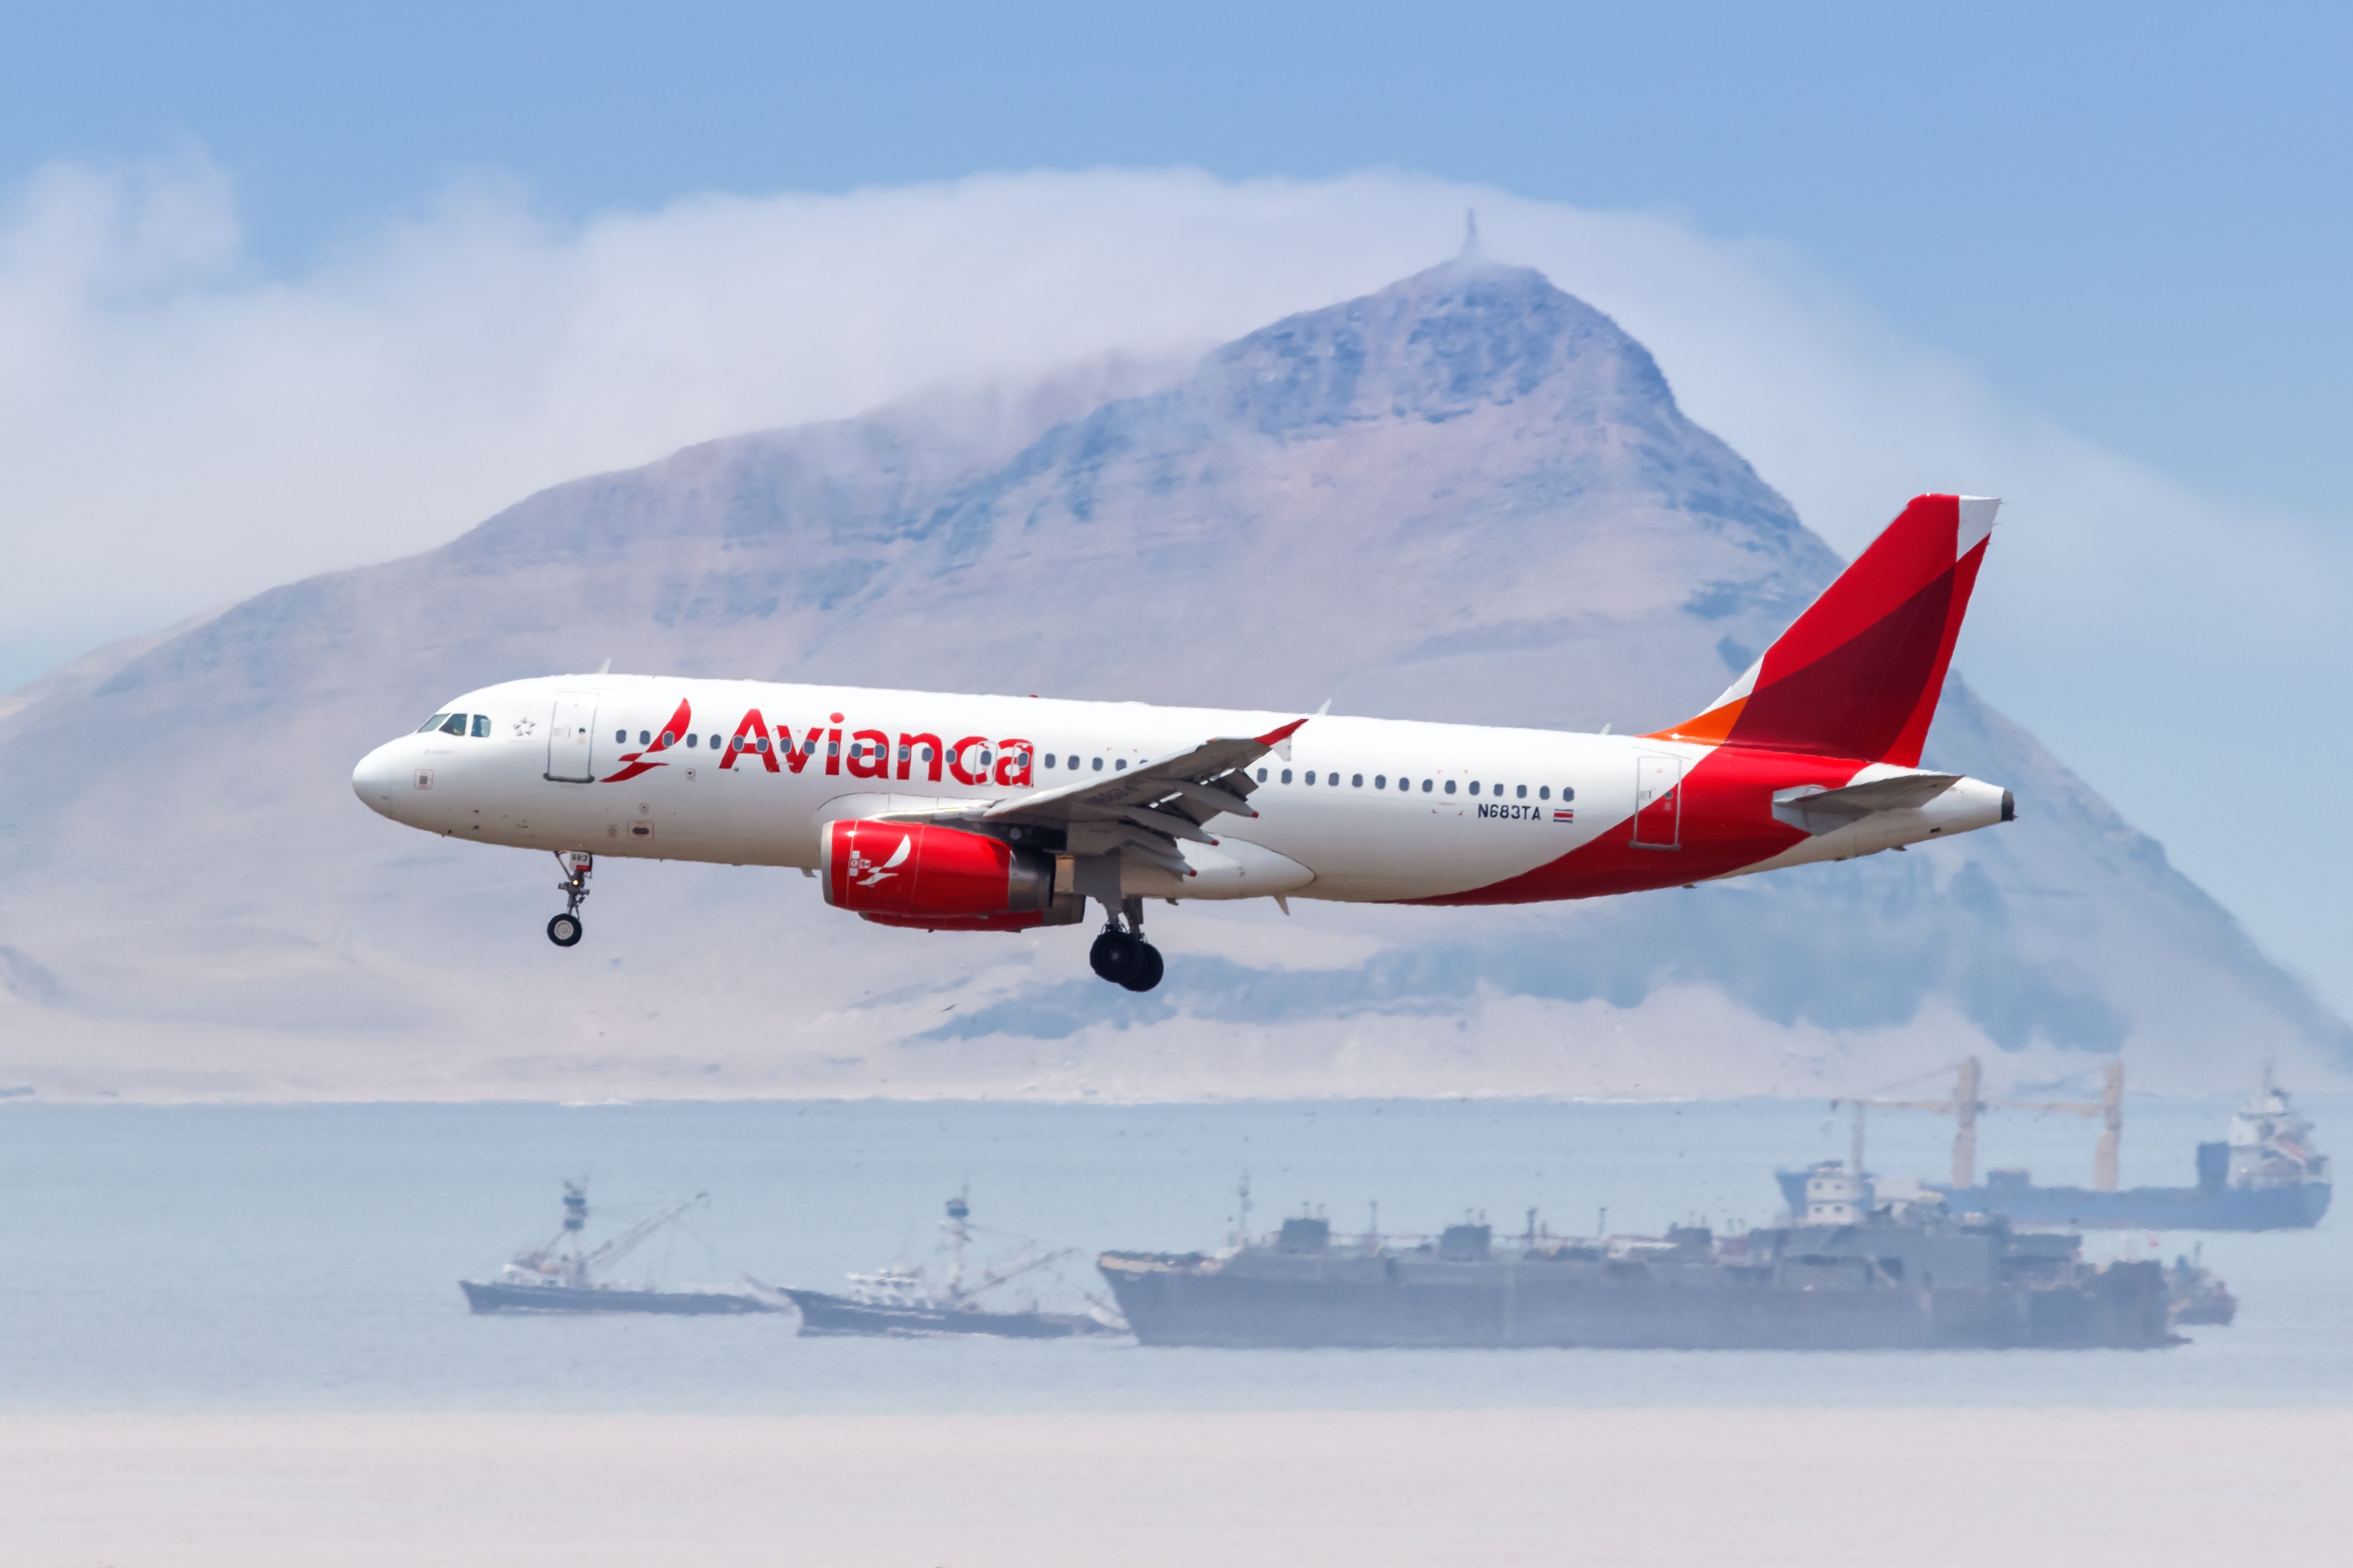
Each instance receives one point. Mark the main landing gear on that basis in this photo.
(564, 930)
(1121, 956)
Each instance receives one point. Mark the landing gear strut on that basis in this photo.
(1121, 956)
(564, 930)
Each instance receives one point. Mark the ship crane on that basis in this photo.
(1966, 1103)
(619, 1247)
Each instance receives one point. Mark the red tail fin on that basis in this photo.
(1860, 673)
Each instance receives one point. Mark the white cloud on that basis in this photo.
(178, 428)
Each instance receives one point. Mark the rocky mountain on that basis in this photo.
(1469, 496)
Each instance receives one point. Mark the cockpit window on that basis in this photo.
(432, 723)
(456, 726)
(482, 726)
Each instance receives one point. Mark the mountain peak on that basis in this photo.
(1466, 335)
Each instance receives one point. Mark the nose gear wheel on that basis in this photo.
(565, 930)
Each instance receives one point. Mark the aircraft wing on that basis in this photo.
(1145, 810)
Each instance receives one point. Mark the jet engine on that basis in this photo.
(939, 879)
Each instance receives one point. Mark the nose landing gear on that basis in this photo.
(564, 930)
(1121, 956)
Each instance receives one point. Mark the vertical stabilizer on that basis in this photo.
(1860, 672)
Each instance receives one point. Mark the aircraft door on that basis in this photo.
(1658, 803)
(571, 738)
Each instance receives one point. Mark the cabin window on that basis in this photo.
(1050, 759)
(1425, 786)
(691, 739)
(431, 724)
(985, 758)
(1519, 792)
(645, 738)
(1022, 758)
(1543, 792)
(1356, 781)
(927, 754)
(1333, 779)
(762, 742)
(1450, 786)
(1566, 792)
(714, 742)
(1311, 776)
(482, 726)
(1286, 776)
(735, 744)
(1120, 766)
(1098, 765)
(1261, 776)
(669, 738)
(1073, 764)
(1380, 781)
(1474, 787)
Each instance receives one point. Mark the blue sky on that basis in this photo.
(289, 287)
(2135, 217)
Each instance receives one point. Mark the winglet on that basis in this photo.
(1278, 740)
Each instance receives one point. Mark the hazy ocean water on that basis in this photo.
(201, 1259)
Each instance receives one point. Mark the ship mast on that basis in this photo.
(576, 1220)
(959, 1211)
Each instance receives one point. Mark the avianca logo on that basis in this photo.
(866, 871)
(671, 734)
(869, 754)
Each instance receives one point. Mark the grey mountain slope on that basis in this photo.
(1467, 496)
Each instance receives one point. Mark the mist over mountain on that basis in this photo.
(1466, 497)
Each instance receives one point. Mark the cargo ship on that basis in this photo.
(900, 1301)
(559, 1275)
(2264, 1175)
(1892, 1271)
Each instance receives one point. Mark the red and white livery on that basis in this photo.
(962, 813)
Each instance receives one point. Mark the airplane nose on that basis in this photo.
(377, 778)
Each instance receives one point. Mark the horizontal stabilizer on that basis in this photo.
(1817, 810)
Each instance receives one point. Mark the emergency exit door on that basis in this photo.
(1658, 803)
(571, 739)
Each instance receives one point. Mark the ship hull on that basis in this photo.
(1388, 1303)
(2297, 1208)
(822, 1313)
(491, 1295)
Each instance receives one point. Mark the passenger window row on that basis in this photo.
(1381, 781)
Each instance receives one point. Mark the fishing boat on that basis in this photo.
(900, 1301)
(561, 1275)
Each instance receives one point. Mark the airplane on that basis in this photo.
(941, 811)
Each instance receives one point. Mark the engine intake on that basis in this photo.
(907, 872)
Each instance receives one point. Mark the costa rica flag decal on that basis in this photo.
(1564, 817)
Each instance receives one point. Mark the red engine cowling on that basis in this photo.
(914, 873)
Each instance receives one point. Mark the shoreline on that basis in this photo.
(1675, 1489)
